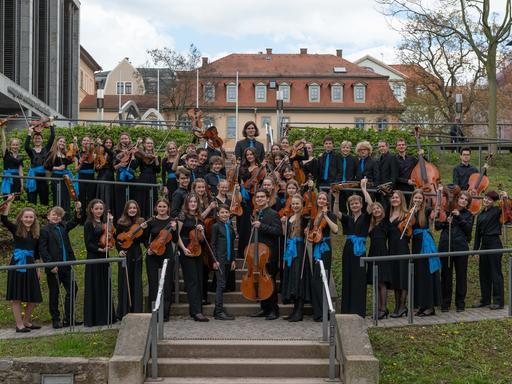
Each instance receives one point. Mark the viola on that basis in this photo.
(236, 202)
(477, 185)
(125, 239)
(506, 208)
(425, 175)
(100, 159)
(310, 208)
(257, 284)
(315, 234)
(195, 238)
(257, 175)
(72, 150)
(43, 122)
(159, 244)
(107, 238)
(405, 226)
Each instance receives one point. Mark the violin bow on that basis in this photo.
(209, 247)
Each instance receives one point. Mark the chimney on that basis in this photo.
(269, 51)
(205, 61)
(339, 52)
(303, 51)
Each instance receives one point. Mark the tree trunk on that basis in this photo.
(492, 84)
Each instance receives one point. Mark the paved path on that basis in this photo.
(47, 330)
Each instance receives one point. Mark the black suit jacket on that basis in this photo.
(219, 242)
(269, 231)
(241, 145)
(370, 170)
(388, 169)
(350, 168)
(50, 245)
(334, 171)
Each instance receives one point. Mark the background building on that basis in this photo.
(88, 68)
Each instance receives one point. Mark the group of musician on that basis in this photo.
(282, 206)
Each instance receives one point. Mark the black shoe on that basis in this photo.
(66, 323)
(223, 316)
(495, 306)
(317, 319)
(22, 330)
(383, 314)
(56, 324)
(400, 313)
(296, 317)
(480, 305)
(200, 317)
(428, 312)
(260, 313)
(33, 326)
(460, 309)
(272, 316)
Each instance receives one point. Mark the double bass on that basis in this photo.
(477, 184)
(257, 283)
(425, 175)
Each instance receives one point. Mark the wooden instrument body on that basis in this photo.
(424, 175)
(107, 237)
(195, 238)
(236, 202)
(506, 210)
(125, 239)
(315, 234)
(408, 222)
(70, 187)
(257, 174)
(158, 245)
(478, 184)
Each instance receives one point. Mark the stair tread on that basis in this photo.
(276, 343)
(238, 360)
(242, 380)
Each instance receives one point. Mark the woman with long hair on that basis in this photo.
(125, 171)
(86, 171)
(105, 192)
(169, 166)
(149, 167)
(13, 165)
(56, 162)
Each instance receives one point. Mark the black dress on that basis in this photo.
(378, 247)
(169, 177)
(123, 193)
(397, 246)
(59, 186)
(243, 222)
(23, 286)
(147, 196)
(11, 164)
(105, 192)
(96, 293)
(86, 191)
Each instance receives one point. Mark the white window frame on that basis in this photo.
(286, 95)
(119, 87)
(362, 88)
(260, 88)
(207, 88)
(359, 122)
(382, 123)
(340, 87)
(228, 98)
(231, 130)
(311, 87)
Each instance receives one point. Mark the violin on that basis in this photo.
(232, 174)
(425, 175)
(405, 226)
(278, 168)
(125, 239)
(6, 120)
(72, 150)
(107, 238)
(315, 234)
(195, 238)
(43, 122)
(88, 155)
(440, 208)
(257, 175)
(310, 208)
(257, 284)
(159, 244)
(287, 209)
(478, 184)
(146, 157)
(125, 155)
(212, 135)
(100, 160)
(506, 208)
(347, 184)
(236, 202)
(300, 176)
(449, 199)
(196, 120)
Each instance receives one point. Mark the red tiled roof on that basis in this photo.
(112, 101)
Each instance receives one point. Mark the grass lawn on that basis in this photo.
(95, 344)
(469, 353)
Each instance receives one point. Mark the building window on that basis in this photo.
(382, 124)
(337, 93)
(285, 91)
(359, 122)
(209, 92)
(120, 88)
(314, 93)
(360, 93)
(81, 79)
(397, 90)
(231, 131)
(261, 93)
(231, 93)
(128, 88)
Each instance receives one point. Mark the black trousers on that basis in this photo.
(192, 268)
(63, 276)
(153, 264)
(221, 276)
(270, 305)
(460, 264)
(134, 271)
(42, 190)
(491, 279)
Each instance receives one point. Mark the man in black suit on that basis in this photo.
(250, 132)
(406, 164)
(388, 169)
(366, 166)
(327, 166)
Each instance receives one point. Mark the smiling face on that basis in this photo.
(355, 206)
(395, 200)
(249, 156)
(488, 202)
(383, 147)
(203, 156)
(296, 205)
(418, 199)
(261, 200)
(86, 141)
(346, 149)
(463, 201)
(377, 211)
(28, 218)
(61, 144)
(38, 140)
(15, 145)
(149, 145)
(250, 131)
(321, 200)
(291, 189)
(97, 210)
(223, 215)
(124, 140)
(200, 189)
(223, 187)
(132, 210)
(162, 209)
(192, 204)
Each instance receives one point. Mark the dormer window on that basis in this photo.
(231, 92)
(360, 93)
(260, 93)
(285, 91)
(314, 93)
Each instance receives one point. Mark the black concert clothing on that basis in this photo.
(192, 267)
(169, 178)
(86, 191)
(388, 169)
(202, 170)
(405, 166)
(13, 164)
(242, 145)
(105, 192)
(461, 175)
(123, 193)
(460, 231)
(487, 236)
(212, 179)
(23, 286)
(331, 161)
(37, 160)
(64, 201)
(177, 200)
(378, 236)
(146, 200)
(55, 245)
(398, 246)
(348, 173)
(310, 167)
(243, 222)
(96, 293)
(353, 290)
(368, 168)
(194, 174)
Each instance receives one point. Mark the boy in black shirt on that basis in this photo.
(179, 195)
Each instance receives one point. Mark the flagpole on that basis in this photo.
(158, 90)
(197, 88)
(236, 107)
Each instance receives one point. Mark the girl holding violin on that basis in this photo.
(191, 234)
(318, 234)
(149, 166)
(130, 223)
(202, 162)
(96, 291)
(13, 165)
(355, 229)
(160, 234)
(37, 155)
(275, 148)
(308, 164)
(296, 281)
(399, 245)
(85, 169)
(104, 165)
(57, 162)
(125, 165)
(250, 132)
(455, 236)
(487, 236)
(427, 290)
(169, 167)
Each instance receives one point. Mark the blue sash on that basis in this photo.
(244, 193)
(20, 257)
(31, 183)
(71, 176)
(291, 250)
(359, 243)
(321, 247)
(126, 173)
(7, 180)
(171, 175)
(429, 246)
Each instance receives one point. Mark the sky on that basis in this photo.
(114, 29)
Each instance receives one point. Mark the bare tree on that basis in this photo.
(469, 20)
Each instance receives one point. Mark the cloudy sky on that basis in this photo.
(111, 30)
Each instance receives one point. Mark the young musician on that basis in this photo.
(13, 165)
(455, 236)
(192, 266)
(37, 154)
(149, 168)
(323, 251)
(55, 245)
(133, 254)
(96, 292)
(192, 162)
(85, 169)
(250, 132)
(23, 284)
(464, 170)
(215, 176)
(348, 171)
(125, 165)
(269, 227)
(387, 170)
(309, 163)
(223, 247)
(327, 165)
(105, 192)
(487, 236)
(169, 167)
(203, 165)
(426, 271)
(406, 164)
(366, 166)
(57, 163)
(178, 197)
(296, 282)
(162, 221)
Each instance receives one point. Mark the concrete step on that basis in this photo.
(235, 309)
(234, 367)
(242, 380)
(237, 284)
(229, 298)
(242, 349)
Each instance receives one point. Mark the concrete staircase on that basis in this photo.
(243, 361)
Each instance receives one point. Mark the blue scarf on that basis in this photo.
(429, 246)
(71, 176)
(64, 253)
(321, 248)
(171, 175)
(20, 257)
(31, 183)
(251, 143)
(359, 243)
(7, 180)
(244, 193)
(291, 250)
(126, 173)
(361, 163)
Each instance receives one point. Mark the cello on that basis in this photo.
(477, 184)
(425, 175)
(257, 283)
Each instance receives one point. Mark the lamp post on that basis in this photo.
(100, 103)
(279, 113)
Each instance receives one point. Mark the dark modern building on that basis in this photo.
(39, 56)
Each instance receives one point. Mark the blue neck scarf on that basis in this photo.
(361, 163)
(228, 240)
(64, 253)
(20, 257)
(344, 178)
(251, 143)
(359, 243)
(429, 246)
(171, 175)
(291, 250)
(326, 168)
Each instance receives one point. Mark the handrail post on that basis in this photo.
(332, 345)
(154, 344)
(375, 302)
(410, 288)
(176, 276)
(161, 316)
(324, 315)
(72, 300)
(59, 194)
(109, 298)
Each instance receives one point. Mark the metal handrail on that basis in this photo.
(328, 311)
